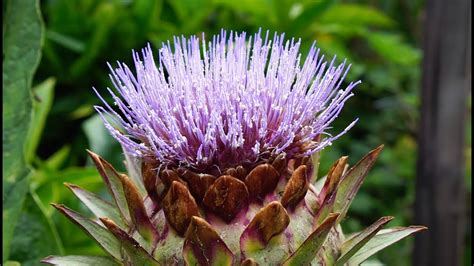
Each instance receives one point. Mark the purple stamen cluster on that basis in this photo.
(227, 102)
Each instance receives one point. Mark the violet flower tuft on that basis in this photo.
(228, 102)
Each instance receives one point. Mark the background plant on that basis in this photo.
(380, 39)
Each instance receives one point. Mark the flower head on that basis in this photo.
(221, 133)
(228, 102)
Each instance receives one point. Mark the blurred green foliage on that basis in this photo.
(21, 54)
(379, 38)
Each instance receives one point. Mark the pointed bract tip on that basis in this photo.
(106, 220)
(70, 185)
(115, 229)
(47, 260)
(57, 205)
(197, 220)
(387, 218)
(95, 158)
(332, 216)
(91, 153)
(379, 148)
(111, 225)
(419, 227)
(375, 152)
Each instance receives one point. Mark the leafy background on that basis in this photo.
(75, 39)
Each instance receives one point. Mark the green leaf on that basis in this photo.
(146, 12)
(13, 198)
(35, 236)
(318, 186)
(325, 209)
(114, 184)
(80, 261)
(42, 102)
(22, 34)
(98, 41)
(55, 161)
(101, 142)
(392, 48)
(66, 41)
(355, 243)
(97, 135)
(310, 12)
(381, 240)
(98, 206)
(133, 166)
(12, 263)
(355, 15)
(315, 160)
(351, 182)
(258, 9)
(331, 46)
(79, 175)
(138, 213)
(310, 247)
(103, 237)
(134, 250)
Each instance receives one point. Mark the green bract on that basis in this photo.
(276, 214)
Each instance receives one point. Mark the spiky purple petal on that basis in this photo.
(225, 103)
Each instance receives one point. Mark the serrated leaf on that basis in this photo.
(351, 182)
(22, 34)
(310, 247)
(80, 261)
(103, 237)
(42, 102)
(355, 243)
(98, 206)
(381, 240)
(134, 250)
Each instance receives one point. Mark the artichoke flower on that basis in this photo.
(221, 142)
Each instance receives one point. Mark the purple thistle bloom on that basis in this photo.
(226, 103)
